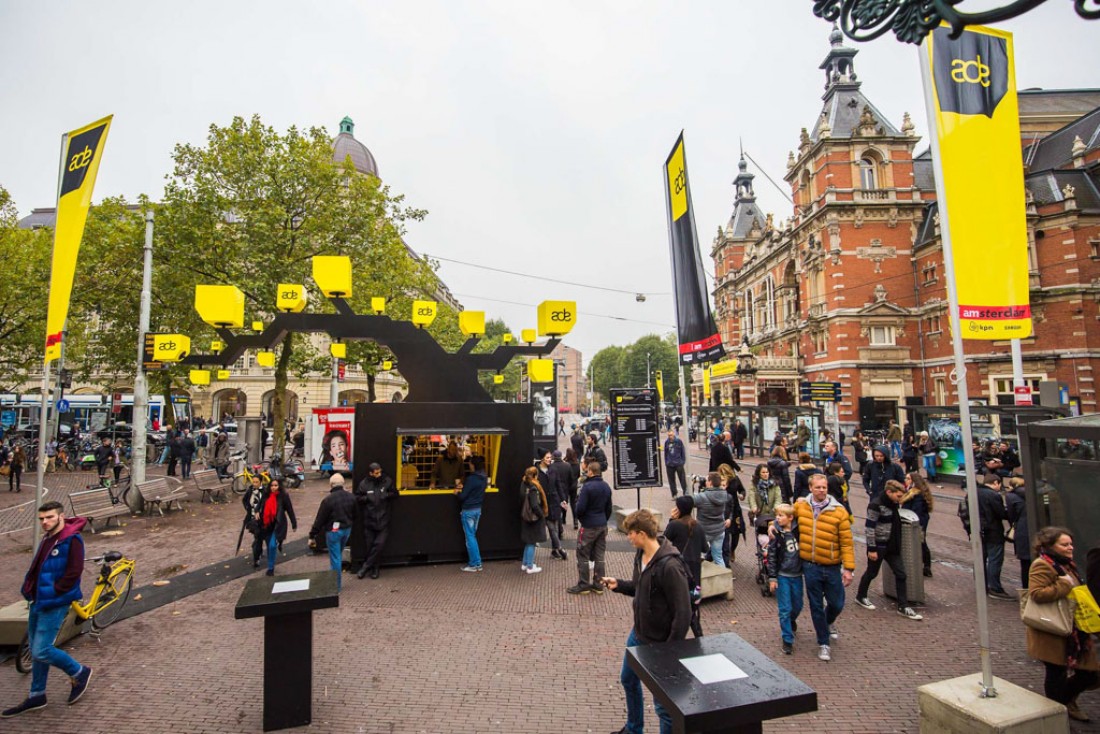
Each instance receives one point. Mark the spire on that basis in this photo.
(347, 126)
(743, 183)
(838, 64)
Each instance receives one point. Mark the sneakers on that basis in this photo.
(580, 588)
(788, 648)
(269, 572)
(1072, 710)
(563, 555)
(824, 654)
(596, 589)
(472, 569)
(1002, 595)
(908, 613)
(32, 703)
(80, 684)
(534, 569)
(834, 633)
(865, 603)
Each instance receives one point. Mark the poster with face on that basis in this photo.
(545, 408)
(332, 433)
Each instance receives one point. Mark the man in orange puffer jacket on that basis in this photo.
(828, 558)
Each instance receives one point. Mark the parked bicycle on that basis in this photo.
(102, 609)
(242, 478)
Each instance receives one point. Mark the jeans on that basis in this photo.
(739, 450)
(715, 544)
(163, 455)
(470, 520)
(554, 528)
(185, 468)
(899, 577)
(42, 629)
(895, 449)
(635, 701)
(272, 549)
(825, 593)
(929, 461)
(673, 473)
(994, 553)
(336, 540)
(788, 598)
(529, 555)
(591, 546)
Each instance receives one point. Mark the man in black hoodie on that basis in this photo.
(881, 470)
(374, 495)
(662, 607)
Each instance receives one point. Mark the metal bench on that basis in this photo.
(94, 504)
(160, 493)
(210, 485)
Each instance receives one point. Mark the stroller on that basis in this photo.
(760, 525)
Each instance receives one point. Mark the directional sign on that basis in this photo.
(635, 434)
(820, 392)
(149, 360)
(7, 418)
(62, 406)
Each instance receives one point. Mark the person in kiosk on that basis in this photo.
(448, 468)
(374, 496)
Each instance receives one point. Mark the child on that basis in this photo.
(785, 573)
(838, 486)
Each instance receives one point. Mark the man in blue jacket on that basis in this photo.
(675, 457)
(471, 495)
(51, 585)
(593, 511)
(833, 453)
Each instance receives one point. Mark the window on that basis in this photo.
(750, 315)
(932, 325)
(882, 336)
(818, 338)
(929, 273)
(867, 173)
(420, 454)
(940, 391)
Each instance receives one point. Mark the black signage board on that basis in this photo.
(820, 392)
(635, 435)
(148, 361)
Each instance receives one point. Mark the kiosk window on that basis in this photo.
(422, 455)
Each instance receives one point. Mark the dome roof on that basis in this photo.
(346, 144)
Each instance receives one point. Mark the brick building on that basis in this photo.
(850, 288)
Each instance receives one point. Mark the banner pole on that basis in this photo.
(988, 691)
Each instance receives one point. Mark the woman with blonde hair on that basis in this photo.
(533, 518)
(918, 498)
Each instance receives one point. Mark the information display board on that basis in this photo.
(635, 435)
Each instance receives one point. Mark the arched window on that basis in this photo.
(867, 173)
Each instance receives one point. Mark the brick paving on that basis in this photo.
(433, 650)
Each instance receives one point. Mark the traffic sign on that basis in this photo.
(1023, 395)
(62, 406)
(820, 392)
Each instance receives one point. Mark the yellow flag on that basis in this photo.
(81, 151)
(982, 188)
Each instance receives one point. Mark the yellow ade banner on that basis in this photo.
(80, 155)
(978, 130)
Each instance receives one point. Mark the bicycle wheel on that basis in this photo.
(23, 659)
(241, 483)
(112, 600)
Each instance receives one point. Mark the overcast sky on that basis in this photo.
(533, 133)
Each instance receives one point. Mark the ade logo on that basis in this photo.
(971, 71)
(166, 346)
(425, 311)
(289, 295)
(81, 159)
(563, 315)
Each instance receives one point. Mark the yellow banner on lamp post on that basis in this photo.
(981, 185)
(706, 383)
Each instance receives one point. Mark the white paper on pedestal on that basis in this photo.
(281, 587)
(713, 668)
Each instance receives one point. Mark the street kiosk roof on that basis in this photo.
(454, 431)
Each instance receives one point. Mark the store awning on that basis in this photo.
(454, 431)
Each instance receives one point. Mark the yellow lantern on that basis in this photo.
(257, 326)
(507, 338)
(338, 350)
(540, 370)
(498, 379)
(223, 374)
(423, 313)
(199, 377)
(387, 365)
(265, 359)
(332, 273)
(291, 297)
(217, 345)
(472, 323)
(378, 305)
(170, 347)
(528, 336)
(220, 305)
(557, 318)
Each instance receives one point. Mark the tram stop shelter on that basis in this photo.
(1061, 464)
(763, 422)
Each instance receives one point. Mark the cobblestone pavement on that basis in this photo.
(433, 650)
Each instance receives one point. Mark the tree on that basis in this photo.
(606, 369)
(662, 356)
(495, 329)
(24, 287)
(252, 207)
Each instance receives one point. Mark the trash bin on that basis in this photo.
(911, 561)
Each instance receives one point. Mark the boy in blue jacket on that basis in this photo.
(785, 573)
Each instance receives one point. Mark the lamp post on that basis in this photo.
(647, 370)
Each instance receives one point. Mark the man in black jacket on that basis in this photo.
(561, 479)
(334, 519)
(991, 508)
(593, 451)
(739, 436)
(881, 470)
(720, 453)
(576, 440)
(662, 606)
(373, 495)
(593, 511)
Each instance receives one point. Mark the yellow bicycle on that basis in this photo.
(103, 607)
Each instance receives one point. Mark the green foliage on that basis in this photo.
(618, 366)
(24, 288)
(495, 329)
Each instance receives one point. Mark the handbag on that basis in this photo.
(5, 470)
(1055, 618)
(1010, 536)
(526, 513)
(1087, 614)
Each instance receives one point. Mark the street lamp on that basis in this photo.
(647, 370)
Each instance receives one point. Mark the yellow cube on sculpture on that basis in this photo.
(257, 326)
(528, 336)
(338, 350)
(170, 347)
(556, 318)
(540, 370)
(498, 379)
(291, 297)
(265, 359)
(217, 345)
(378, 305)
(507, 338)
(199, 377)
(332, 273)
(472, 323)
(387, 365)
(423, 313)
(223, 374)
(220, 305)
